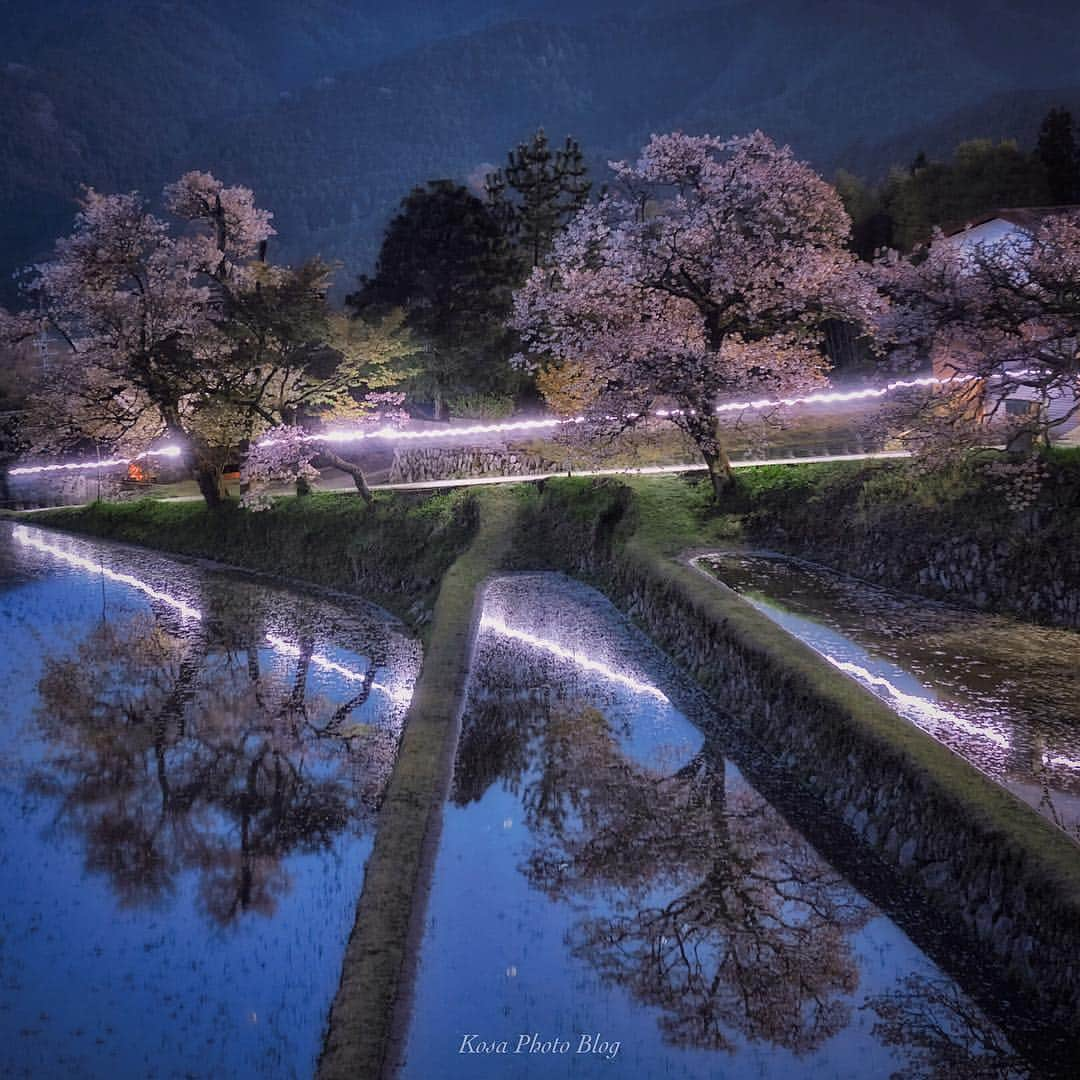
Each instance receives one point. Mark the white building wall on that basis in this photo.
(998, 231)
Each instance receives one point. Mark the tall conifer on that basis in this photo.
(537, 192)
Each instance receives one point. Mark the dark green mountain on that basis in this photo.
(332, 110)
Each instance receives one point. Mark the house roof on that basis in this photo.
(1028, 218)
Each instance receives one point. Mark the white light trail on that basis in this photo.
(1057, 761)
(832, 397)
(347, 435)
(398, 695)
(165, 451)
(498, 626)
(342, 435)
(23, 536)
(910, 704)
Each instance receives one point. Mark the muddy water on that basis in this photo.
(613, 898)
(190, 766)
(1004, 694)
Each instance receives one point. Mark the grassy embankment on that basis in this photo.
(656, 519)
(388, 929)
(828, 502)
(848, 744)
(664, 517)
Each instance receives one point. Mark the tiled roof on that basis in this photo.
(1028, 218)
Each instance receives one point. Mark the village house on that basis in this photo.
(1011, 227)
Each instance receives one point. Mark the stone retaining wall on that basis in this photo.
(998, 873)
(952, 538)
(457, 462)
(1017, 574)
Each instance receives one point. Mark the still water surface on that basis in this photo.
(1003, 694)
(190, 766)
(612, 898)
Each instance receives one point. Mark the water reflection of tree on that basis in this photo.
(942, 1035)
(168, 756)
(699, 899)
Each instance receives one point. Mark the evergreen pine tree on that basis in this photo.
(446, 263)
(537, 193)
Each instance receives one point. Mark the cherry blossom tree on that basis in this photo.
(1000, 322)
(285, 454)
(191, 335)
(141, 311)
(708, 271)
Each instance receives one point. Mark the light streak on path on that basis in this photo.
(553, 648)
(345, 435)
(825, 397)
(165, 451)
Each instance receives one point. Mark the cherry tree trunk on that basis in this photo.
(354, 471)
(720, 473)
(208, 478)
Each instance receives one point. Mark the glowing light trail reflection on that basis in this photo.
(398, 695)
(23, 536)
(912, 706)
(1057, 761)
(553, 648)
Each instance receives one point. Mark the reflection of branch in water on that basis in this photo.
(495, 736)
(714, 910)
(167, 758)
(700, 901)
(942, 1034)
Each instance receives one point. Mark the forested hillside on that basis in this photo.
(333, 110)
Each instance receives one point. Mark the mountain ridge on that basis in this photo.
(332, 149)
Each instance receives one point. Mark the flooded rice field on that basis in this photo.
(612, 897)
(190, 766)
(1003, 694)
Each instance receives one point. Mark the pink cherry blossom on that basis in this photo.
(707, 272)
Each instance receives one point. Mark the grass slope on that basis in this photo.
(387, 932)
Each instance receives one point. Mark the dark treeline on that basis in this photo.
(451, 261)
(981, 176)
